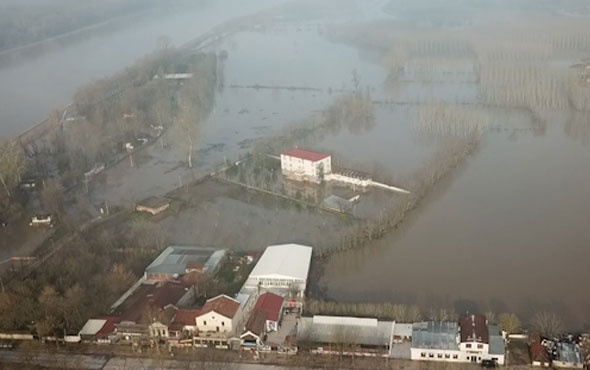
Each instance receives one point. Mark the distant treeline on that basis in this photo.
(25, 22)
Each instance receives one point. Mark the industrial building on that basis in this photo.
(176, 261)
(283, 268)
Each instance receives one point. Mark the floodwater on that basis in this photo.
(32, 88)
(507, 231)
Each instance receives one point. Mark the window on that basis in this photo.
(431, 355)
(439, 355)
(223, 323)
(447, 355)
(423, 354)
(204, 323)
(480, 346)
(468, 345)
(455, 357)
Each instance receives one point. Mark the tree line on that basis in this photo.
(83, 279)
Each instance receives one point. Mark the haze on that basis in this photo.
(458, 133)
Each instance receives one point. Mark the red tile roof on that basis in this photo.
(152, 296)
(474, 329)
(306, 154)
(272, 304)
(223, 305)
(187, 317)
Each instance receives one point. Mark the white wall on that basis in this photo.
(305, 167)
(437, 355)
(211, 321)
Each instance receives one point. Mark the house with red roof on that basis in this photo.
(272, 305)
(304, 165)
(217, 315)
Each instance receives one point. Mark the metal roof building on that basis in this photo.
(435, 335)
(176, 261)
(281, 267)
(366, 332)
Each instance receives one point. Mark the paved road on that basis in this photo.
(97, 362)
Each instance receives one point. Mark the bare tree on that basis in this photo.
(52, 197)
(547, 324)
(12, 166)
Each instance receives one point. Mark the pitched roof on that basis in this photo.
(473, 328)
(287, 260)
(271, 303)
(222, 305)
(306, 154)
(109, 326)
(256, 322)
(186, 317)
(152, 296)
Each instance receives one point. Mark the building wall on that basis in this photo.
(437, 355)
(305, 170)
(266, 283)
(214, 322)
(449, 355)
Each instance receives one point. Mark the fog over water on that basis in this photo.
(31, 89)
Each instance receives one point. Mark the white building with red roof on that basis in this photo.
(304, 165)
(218, 314)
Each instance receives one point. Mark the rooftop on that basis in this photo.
(176, 259)
(496, 340)
(538, 351)
(306, 154)
(154, 296)
(187, 316)
(473, 328)
(222, 305)
(435, 335)
(335, 329)
(280, 261)
(271, 304)
(256, 322)
(568, 352)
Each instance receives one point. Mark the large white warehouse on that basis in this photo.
(282, 267)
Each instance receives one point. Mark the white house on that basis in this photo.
(217, 315)
(472, 340)
(304, 165)
(282, 267)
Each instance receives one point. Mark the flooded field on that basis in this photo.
(506, 231)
